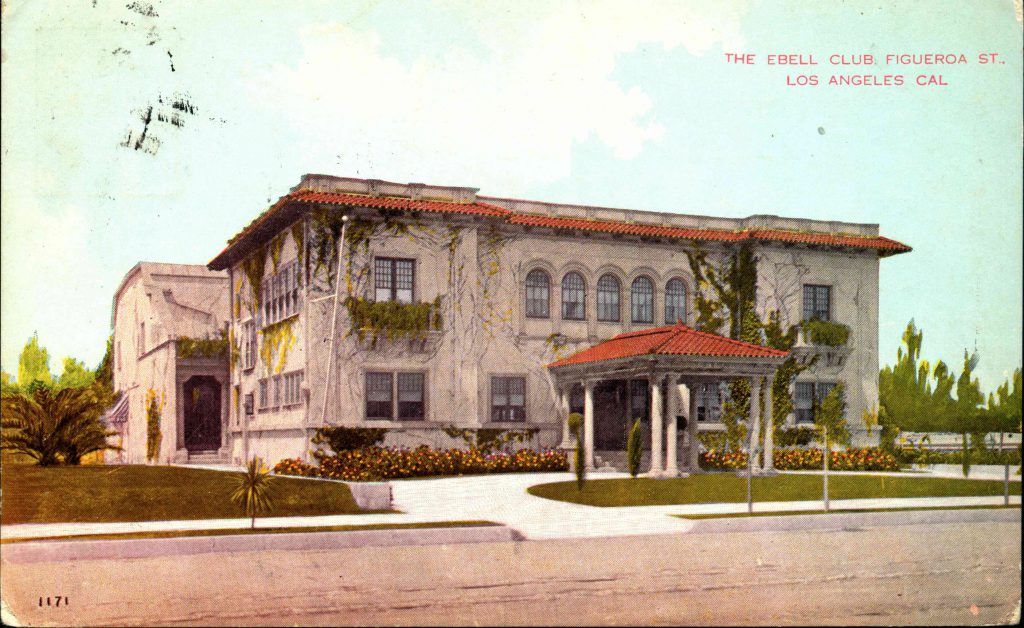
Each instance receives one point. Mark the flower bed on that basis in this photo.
(385, 463)
(867, 459)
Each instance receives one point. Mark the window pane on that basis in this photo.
(537, 294)
(410, 396)
(675, 301)
(643, 300)
(574, 297)
(608, 298)
(378, 396)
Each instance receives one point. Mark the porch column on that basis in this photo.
(755, 421)
(693, 464)
(671, 435)
(656, 426)
(588, 424)
(769, 427)
(564, 406)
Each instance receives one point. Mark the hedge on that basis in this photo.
(385, 463)
(928, 456)
(867, 459)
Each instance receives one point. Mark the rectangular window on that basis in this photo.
(804, 402)
(277, 391)
(394, 279)
(248, 345)
(264, 393)
(292, 388)
(249, 409)
(142, 338)
(410, 397)
(508, 399)
(709, 403)
(280, 294)
(817, 302)
(379, 396)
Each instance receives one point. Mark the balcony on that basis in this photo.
(826, 340)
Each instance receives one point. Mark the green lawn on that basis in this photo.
(727, 487)
(833, 511)
(33, 494)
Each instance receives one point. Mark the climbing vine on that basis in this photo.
(218, 347)
(728, 293)
(277, 340)
(276, 246)
(392, 319)
(154, 408)
(826, 333)
(253, 267)
(298, 236)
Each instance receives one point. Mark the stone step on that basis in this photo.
(207, 457)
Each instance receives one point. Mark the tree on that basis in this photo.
(33, 364)
(252, 492)
(51, 425)
(831, 413)
(913, 395)
(75, 375)
(576, 427)
(634, 448)
(1004, 407)
(966, 416)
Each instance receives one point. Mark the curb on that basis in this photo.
(851, 521)
(60, 551)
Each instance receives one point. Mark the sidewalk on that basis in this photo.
(503, 499)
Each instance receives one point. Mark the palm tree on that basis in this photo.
(253, 489)
(52, 425)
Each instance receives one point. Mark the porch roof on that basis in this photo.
(671, 340)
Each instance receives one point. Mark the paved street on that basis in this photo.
(960, 573)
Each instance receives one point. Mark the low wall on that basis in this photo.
(371, 495)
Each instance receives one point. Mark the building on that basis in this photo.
(455, 310)
(170, 363)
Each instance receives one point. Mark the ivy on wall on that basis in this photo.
(154, 408)
(392, 319)
(276, 245)
(253, 268)
(188, 347)
(826, 333)
(277, 340)
(728, 293)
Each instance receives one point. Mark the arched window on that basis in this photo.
(643, 300)
(538, 294)
(608, 298)
(675, 301)
(574, 297)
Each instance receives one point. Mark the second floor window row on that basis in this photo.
(280, 293)
(609, 298)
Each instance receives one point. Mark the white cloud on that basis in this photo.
(513, 113)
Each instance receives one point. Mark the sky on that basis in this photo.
(623, 104)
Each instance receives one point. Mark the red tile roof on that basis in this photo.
(389, 202)
(885, 246)
(675, 339)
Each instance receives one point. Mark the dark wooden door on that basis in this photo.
(610, 415)
(202, 413)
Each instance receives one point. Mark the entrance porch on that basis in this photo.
(654, 375)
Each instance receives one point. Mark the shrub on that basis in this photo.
(796, 437)
(713, 440)
(859, 459)
(385, 463)
(575, 421)
(340, 438)
(634, 448)
(825, 333)
(920, 455)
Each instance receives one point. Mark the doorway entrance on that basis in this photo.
(202, 413)
(617, 404)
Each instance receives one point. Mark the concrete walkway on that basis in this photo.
(503, 499)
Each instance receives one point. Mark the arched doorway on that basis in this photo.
(202, 413)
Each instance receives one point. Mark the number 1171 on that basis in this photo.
(56, 600)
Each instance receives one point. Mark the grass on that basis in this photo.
(171, 534)
(714, 488)
(33, 494)
(785, 513)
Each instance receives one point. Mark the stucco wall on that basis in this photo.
(479, 273)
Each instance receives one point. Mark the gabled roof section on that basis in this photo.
(418, 197)
(670, 340)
